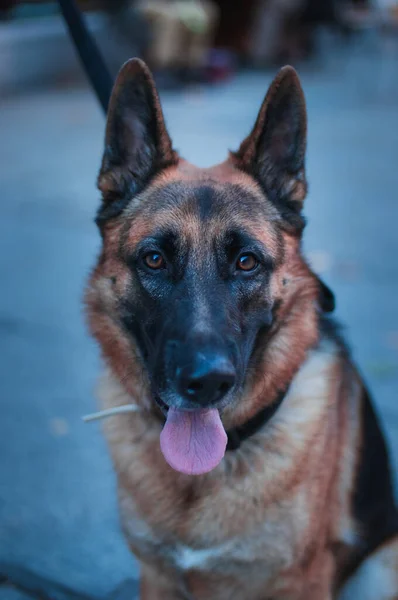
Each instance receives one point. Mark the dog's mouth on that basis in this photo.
(193, 442)
(162, 405)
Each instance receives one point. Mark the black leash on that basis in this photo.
(90, 56)
(239, 434)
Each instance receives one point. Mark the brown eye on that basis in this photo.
(154, 260)
(247, 262)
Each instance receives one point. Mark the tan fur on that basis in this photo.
(277, 473)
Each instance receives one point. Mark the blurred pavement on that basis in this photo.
(58, 515)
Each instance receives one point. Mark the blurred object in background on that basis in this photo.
(265, 43)
(234, 26)
(221, 65)
(129, 33)
(36, 50)
(189, 41)
(174, 36)
(372, 33)
(284, 30)
(182, 32)
(288, 31)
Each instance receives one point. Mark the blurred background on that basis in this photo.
(213, 61)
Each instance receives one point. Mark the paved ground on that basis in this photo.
(58, 515)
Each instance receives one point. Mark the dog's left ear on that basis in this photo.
(274, 152)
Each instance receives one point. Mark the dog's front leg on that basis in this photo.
(156, 585)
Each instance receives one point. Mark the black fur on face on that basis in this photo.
(200, 292)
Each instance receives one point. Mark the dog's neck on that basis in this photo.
(238, 435)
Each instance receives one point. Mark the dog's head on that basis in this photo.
(200, 268)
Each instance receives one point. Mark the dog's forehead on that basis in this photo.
(203, 204)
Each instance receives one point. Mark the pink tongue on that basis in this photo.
(193, 442)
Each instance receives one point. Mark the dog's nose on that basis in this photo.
(206, 379)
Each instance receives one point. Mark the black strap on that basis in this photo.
(89, 54)
(239, 434)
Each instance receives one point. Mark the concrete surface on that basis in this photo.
(9, 593)
(58, 514)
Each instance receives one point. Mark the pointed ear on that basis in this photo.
(274, 152)
(137, 144)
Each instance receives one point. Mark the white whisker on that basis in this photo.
(109, 412)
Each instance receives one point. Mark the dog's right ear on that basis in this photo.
(137, 144)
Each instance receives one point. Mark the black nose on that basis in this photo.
(206, 379)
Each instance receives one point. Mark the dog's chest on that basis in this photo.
(272, 545)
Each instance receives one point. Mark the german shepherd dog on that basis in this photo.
(254, 467)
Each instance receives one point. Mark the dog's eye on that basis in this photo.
(246, 262)
(154, 260)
